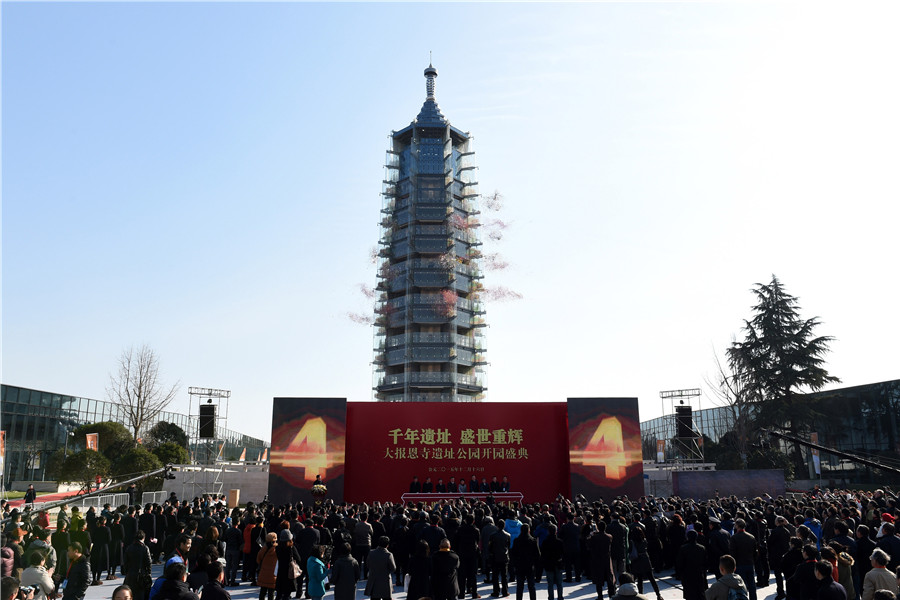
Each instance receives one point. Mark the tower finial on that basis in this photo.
(430, 75)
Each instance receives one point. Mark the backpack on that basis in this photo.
(738, 593)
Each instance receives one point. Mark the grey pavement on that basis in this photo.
(668, 587)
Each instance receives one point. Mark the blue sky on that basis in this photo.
(205, 178)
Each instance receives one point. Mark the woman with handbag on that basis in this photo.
(288, 566)
(267, 559)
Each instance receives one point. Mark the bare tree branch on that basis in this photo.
(728, 387)
(136, 388)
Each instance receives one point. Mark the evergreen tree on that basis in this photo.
(781, 358)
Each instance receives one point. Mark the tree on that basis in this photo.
(780, 358)
(136, 388)
(771, 458)
(56, 462)
(138, 461)
(83, 467)
(114, 437)
(171, 453)
(163, 433)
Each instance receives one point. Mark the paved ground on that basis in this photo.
(576, 591)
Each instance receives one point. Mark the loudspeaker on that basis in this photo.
(684, 418)
(207, 421)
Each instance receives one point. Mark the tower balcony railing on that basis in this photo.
(430, 377)
(419, 354)
(475, 342)
(431, 300)
(433, 264)
(429, 397)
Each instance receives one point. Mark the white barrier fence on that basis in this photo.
(153, 497)
(114, 500)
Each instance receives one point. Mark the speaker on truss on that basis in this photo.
(207, 421)
(684, 419)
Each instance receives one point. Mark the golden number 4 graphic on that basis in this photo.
(309, 449)
(607, 449)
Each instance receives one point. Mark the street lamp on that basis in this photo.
(66, 447)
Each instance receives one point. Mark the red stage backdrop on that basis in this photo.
(392, 442)
(371, 451)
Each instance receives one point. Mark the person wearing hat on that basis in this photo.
(885, 518)
(285, 580)
(267, 558)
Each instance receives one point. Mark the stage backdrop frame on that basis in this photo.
(367, 451)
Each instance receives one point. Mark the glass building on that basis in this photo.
(861, 420)
(38, 423)
(429, 315)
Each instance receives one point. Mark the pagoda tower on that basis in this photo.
(429, 316)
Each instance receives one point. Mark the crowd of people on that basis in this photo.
(820, 546)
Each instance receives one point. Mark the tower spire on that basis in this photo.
(430, 75)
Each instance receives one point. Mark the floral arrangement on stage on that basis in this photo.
(319, 491)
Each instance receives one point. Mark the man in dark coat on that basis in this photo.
(498, 549)
(570, 534)
(78, 577)
(381, 568)
(214, 589)
(719, 540)
(599, 545)
(434, 533)
(487, 530)
(444, 567)
(552, 561)
(526, 557)
(415, 487)
(691, 562)
(779, 544)
(803, 585)
(147, 524)
(130, 525)
(619, 548)
(174, 586)
(759, 529)
(137, 567)
(30, 495)
(466, 543)
(829, 589)
(307, 538)
(234, 539)
(744, 549)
